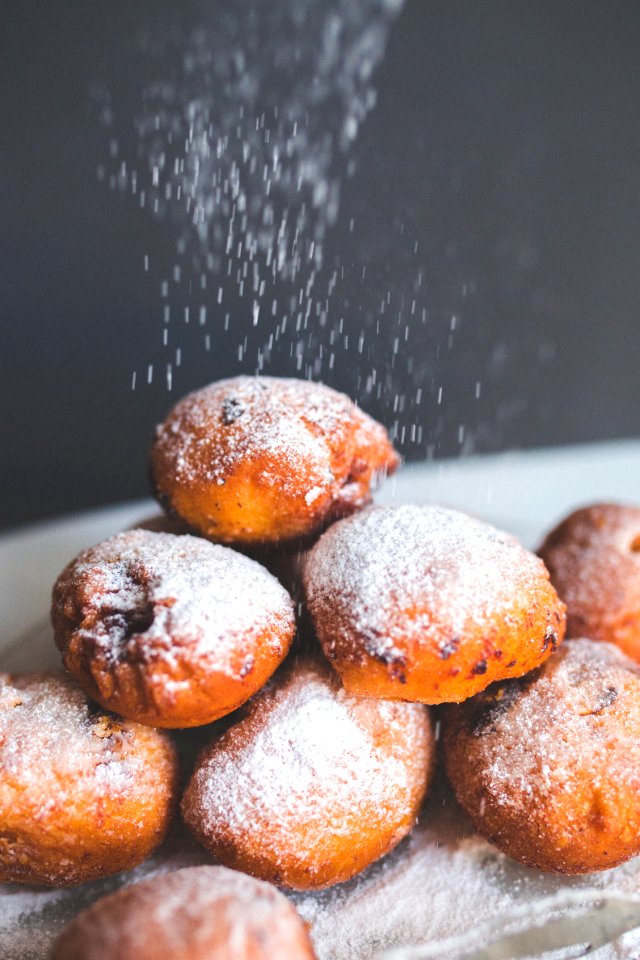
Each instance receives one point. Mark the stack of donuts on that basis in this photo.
(319, 642)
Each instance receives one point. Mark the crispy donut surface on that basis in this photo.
(251, 460)
(170, 630)
(198, 913)
(593, 557)
(427, 604)
(312, 785)
(548, 766)
(82, 794)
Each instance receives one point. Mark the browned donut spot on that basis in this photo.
(199, 913)
(312, 785)
(252, 460)
(594, 560)
(548, 766)
(170, 630)
(82, 794)
(428, 604)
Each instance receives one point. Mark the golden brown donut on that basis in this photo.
(548, 767)
(593, 557)
(199, 913)
(427, 604)
(252, 460)
(170, 630)
(82, 794)
(312, 785)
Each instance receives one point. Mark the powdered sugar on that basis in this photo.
(411, 559)
(49, 737)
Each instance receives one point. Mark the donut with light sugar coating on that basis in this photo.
(83, 794)
(548, 766)
(170, 630)
(428, 604)
(311, 785)
(593, 557)
(198, 913)
(264, 460)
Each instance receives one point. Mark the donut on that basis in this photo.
(263, 460)
(593, 557)
(198, 913)
(548, 766)
(170, 630)
(311, 785)
(83, 794)
(427, 604)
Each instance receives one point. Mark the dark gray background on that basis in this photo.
(506, 139)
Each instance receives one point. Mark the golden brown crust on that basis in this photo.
(593, 557)
(312, 785)
(259, 460)
(548, 767)
(170, 630)
(199, 913)
(428, 604)
(82, 794)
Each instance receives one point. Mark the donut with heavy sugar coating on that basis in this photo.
(198, 913)
(548, 766)
(82, 794)
(593, 557)
(312, 785)
(170, 630)
(427, 604)
(262, 460)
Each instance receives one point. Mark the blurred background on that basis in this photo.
(434, 206)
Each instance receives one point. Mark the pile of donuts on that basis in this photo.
(328, 650)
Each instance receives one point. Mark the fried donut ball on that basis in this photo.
(548, 767)
(594, 560)
(252, 460)
(428, 604)
(312, 785)
(82, 794)
(170, 630)
(199, 913)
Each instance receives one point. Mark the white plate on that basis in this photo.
(444, 889)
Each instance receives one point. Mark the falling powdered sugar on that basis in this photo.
(237, 139)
